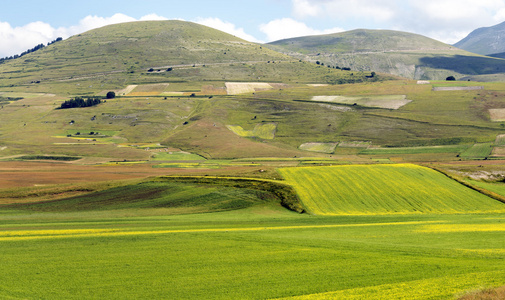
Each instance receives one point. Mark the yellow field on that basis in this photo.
(431, 288)
(384, 189)
(263, 131)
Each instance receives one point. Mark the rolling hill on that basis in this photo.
(399, 53)
(485, 40)
(114, 56)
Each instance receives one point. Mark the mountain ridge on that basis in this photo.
(395, 52)
(485, 40)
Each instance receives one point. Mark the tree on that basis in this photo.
(111, 95)
(450, 78)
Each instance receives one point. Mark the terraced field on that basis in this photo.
(384, 189)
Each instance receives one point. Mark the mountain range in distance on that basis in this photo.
(485, 41)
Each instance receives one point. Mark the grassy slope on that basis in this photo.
(399, 53)
(383, 189)
(114, 56)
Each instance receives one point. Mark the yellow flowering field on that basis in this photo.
(384, 189)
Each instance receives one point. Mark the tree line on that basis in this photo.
(81, 102)
(38, 47)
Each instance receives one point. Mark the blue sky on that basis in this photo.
(24, 24)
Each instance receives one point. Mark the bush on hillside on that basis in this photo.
(110, 95)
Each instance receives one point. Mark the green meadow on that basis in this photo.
(259, 252)
(225, 238)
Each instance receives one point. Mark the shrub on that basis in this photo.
(111, 95)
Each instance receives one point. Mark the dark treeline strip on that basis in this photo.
(38, 47)
(81, 102)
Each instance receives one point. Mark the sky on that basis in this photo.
(28, 23)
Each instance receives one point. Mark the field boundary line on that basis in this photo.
(483, 191)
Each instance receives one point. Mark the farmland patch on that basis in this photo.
(263, 131)
(236, 88)
(497, 114)
(149, 89)
(478, 151)
(319, 147)
(457, 88)
(500, 140)
(382, 101)
(383, 189)
(415, 150)
(124, 91)
(176, 155)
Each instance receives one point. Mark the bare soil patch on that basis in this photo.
(497, 114)
(236, 88)
(379, 101)
(149, 89)
(457, 88)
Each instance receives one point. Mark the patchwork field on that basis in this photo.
(386, 101)
(384, 189)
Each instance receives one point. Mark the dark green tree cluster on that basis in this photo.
(81, 102)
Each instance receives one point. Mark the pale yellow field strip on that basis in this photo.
(433, 288)
(462, 228)
(126, 90)
(236, 88)
(16, 235)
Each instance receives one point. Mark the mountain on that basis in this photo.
(485, 40)
(394, 52)
(142, 52)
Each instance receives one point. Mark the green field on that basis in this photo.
(478, 151)
(319, 147)
(384, 189)
(258, 252)
(414, 150)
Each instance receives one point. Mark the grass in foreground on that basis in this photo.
(253, 253)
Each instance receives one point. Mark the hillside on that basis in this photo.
(114, 56)
(485, 40)
(399, 53)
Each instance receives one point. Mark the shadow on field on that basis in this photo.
(472, 65)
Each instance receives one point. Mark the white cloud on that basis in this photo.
(18, 39)
(287, 28)
(153, 17)
(345, 9)
(227, 27)
(445, 20)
